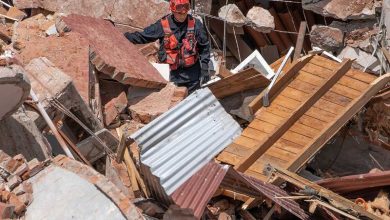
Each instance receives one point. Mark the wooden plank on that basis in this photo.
(245, 141)
(121, 149)
(312, 122)
(343, 117)
(304, 130)
(241, 81)
(328, 106)
(290, 72)
(269, 117)
(318, 113)
(286, 102)
(296, 138)
(334, 199)
(262, 147)
(300, 40)
(262, 126)
(254, 134)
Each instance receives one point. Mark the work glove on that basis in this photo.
(204, 76)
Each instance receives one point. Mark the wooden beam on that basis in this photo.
(330, 130)
(121, 149)
(386, 53)
(239, 82)
(290, 72)
(278, 132)
(74, 147)
(300, 40)
(334, 199)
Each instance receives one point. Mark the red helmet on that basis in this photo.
(180, 6)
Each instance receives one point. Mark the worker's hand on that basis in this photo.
(204, 76)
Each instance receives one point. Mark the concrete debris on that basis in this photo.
(327, 38)
(362, 59)
(262, 19)
(131, 13)
(344, 10)
(114, 100)
(49, 83)
(144, 150)
(14, 89)
(232, 14)
(111, 52)
(358, 34)
(157, 103)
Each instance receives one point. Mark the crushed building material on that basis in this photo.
(111, 52)
(363, 60)
(327, 38)
(19, 131)
(130, 13)
(344, 10)
(14, 89)
(157, 103)
(262, 19)
(232, 14)
(72, 46)
(187, 142)
(49, 83)
(308, 133)
(71, 176)
(114, 100)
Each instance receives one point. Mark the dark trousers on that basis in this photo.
(191, 86)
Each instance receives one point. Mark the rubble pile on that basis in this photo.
(294, 123)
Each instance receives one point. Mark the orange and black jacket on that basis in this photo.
(156, 32)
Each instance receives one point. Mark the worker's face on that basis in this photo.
(180, 17)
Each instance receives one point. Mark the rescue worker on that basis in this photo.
(183, 45)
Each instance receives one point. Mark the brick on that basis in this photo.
(14, 12)
(114, 100)
(112, 54)
(6, 211)
(25, 198)
(156, 104)
(21, 170)
(34, 167)
(13, 181)
(20, 207)
(24, 187)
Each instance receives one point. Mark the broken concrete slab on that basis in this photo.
(327, 38)
(341, 9)
(133, 13)
(20, 135)
(112, 52)
(362, 59)
(156, 103)
(49, 82)
(358, 34)
(52, 187)
(114, 100)
(232, 14)
(32, 28)
(262, 19)
(14, 89)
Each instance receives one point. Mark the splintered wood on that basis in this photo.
(304, 137)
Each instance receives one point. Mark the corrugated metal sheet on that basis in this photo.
(196, 192)
(347, 184)
(181, 141)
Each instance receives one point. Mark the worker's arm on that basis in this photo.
(148, 35)
(203, 49)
